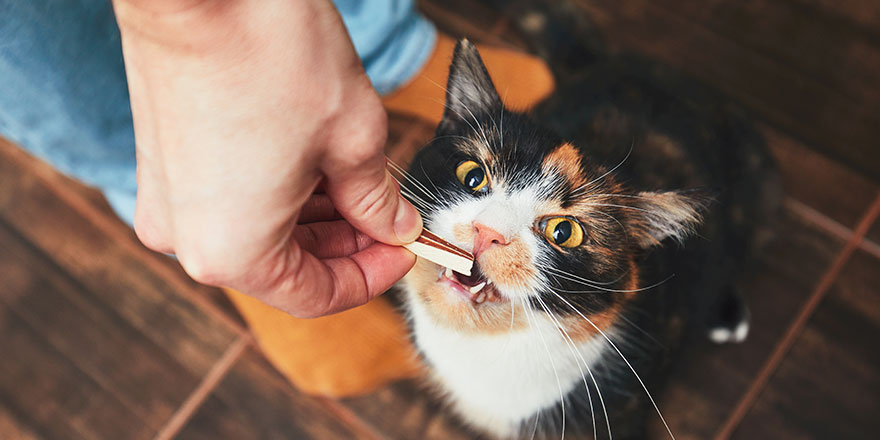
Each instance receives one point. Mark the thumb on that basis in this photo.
(369, 198)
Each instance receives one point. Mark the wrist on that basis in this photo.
(197, 25)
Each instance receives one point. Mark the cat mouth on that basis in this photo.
(476, 288)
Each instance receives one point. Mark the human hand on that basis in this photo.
(241, 108)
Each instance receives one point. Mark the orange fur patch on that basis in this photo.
(580, 330)
(566, 160)
(448, 310)
(463, 232)
(508, 265)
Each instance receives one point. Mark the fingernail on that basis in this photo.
(407, 222)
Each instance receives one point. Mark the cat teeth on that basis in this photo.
(480, 298)
(477, 288)
(448, 273)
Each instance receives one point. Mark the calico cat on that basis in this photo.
(594, 252)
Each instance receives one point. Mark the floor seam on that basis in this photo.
(794, 329)
(208, 384)
(85, 208)
(830, 225)
(350, 419)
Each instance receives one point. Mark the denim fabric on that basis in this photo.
(393, 40)
(63, 93)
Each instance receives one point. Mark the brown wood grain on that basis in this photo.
(405, 410)
(254, 402)
(48, 393)
(59, 376)
(710, 379)
(801, 90)
(114, 273)
(405, 137)
(94, 339)
(819, 182)
(469, 19)
(861, 14)
(89, 204)
(14, 429)
(829, 385)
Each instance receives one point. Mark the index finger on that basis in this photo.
(314, 287)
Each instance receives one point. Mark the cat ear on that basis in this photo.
(660, 215)
(469, 90)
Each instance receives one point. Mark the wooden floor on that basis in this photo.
(101, 338)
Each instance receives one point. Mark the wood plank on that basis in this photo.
(469, 19)
(874, 236)
(41, 386)
(409, 142)
(819, 182)
(829, 385)
(254, 402)
(709, 379)
(45, 391)
(90, 204)
(816, 45)
(93, 338)
(115, 273)
(812, 110)
(405, 410)
(13, 429)
(864, 14)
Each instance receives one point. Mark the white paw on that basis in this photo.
(723, 335)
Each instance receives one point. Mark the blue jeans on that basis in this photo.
(64, 98)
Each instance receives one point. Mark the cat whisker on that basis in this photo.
(577, 354)
(466, 108)
(616, 220)
(569, 276)
(628, 364)
(477, 132)
(583, 281)
(598, 283)
(588, 184)
(407, 191)
(439, 192)
(552, 364)
(618, 206)
(412, 180)
(529, 323)
(418, 185)
(642, 331)
(629, 196)
(414, 199)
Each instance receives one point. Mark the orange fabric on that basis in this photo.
(347, 354)
(522, 81)
(357, 351)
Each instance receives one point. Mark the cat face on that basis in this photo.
(551, 230)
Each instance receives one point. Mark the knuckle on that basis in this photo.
(361, 152)
(365, 144)
(205, 263)
(374, 202)
(201, 269)
(148, 232)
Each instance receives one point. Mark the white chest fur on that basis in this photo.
(498, 381)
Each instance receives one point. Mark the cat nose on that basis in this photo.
(486, 237)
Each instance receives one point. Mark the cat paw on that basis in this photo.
(724, 335)
(730, 323)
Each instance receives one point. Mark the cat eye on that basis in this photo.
(564, 232)
(472, 176)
